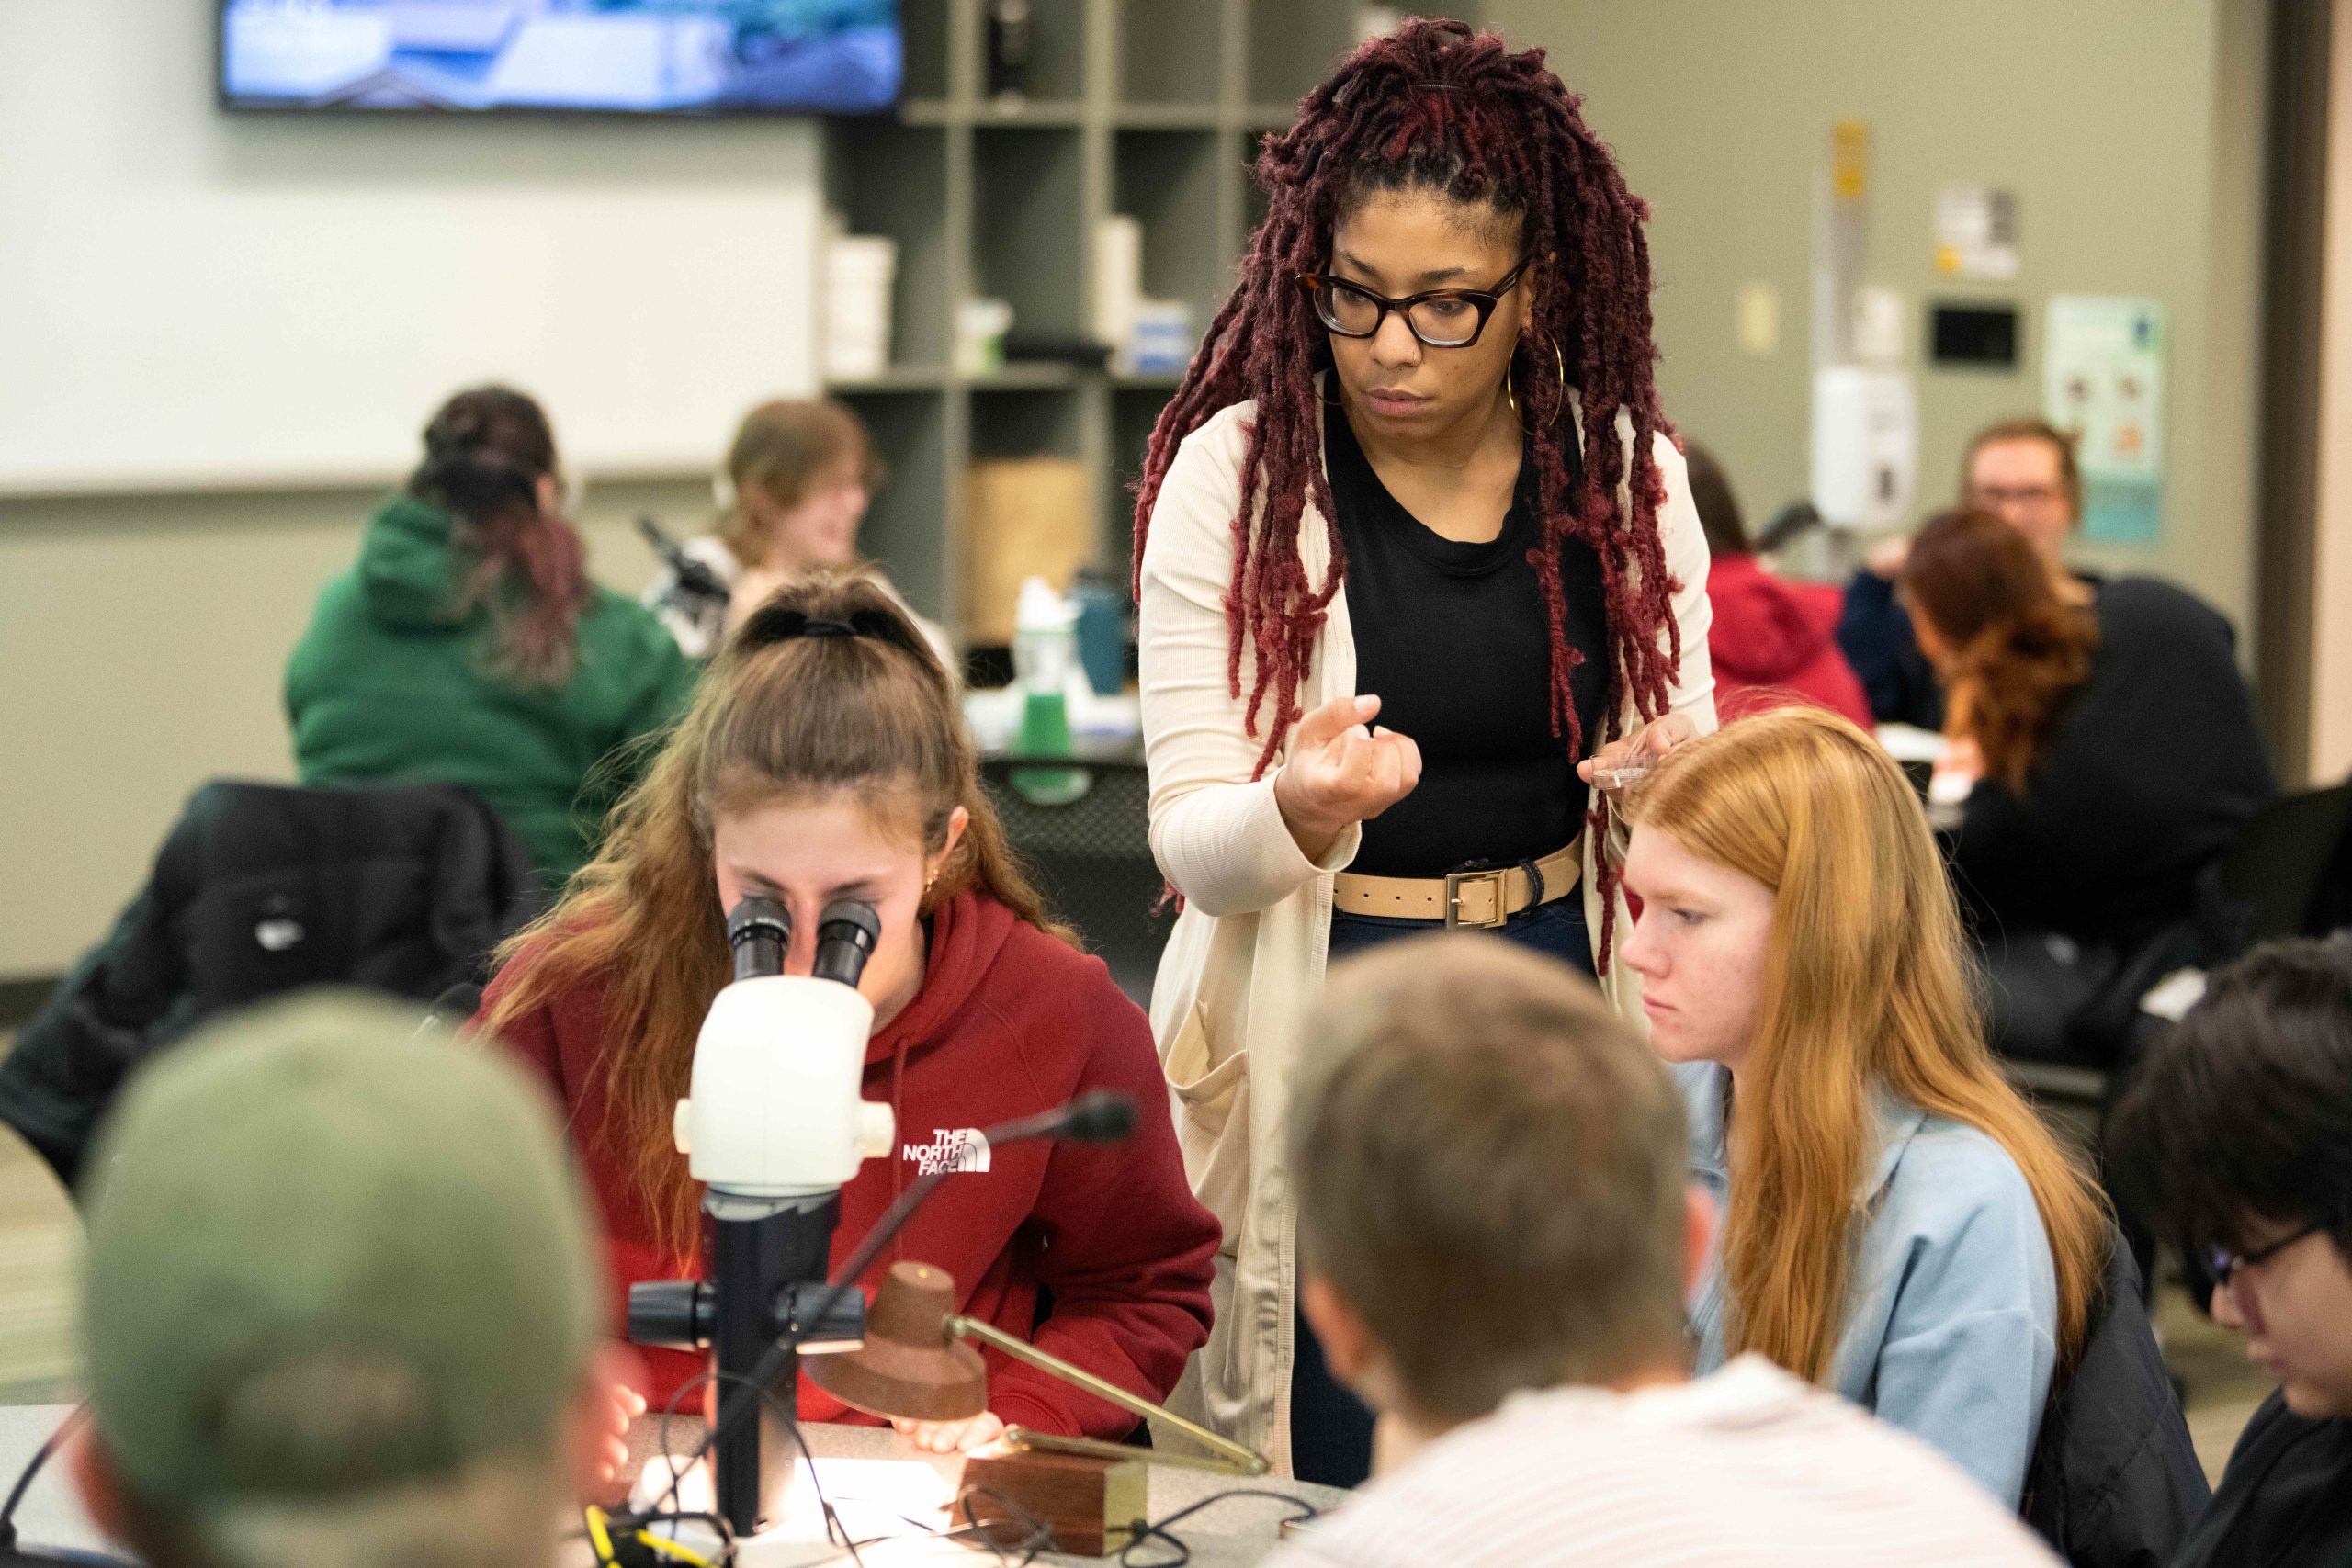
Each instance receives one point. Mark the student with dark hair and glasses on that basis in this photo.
(2236, 1140)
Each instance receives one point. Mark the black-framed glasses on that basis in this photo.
(1441, 318)
(2224, 1265)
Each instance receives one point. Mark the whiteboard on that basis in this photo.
(192, 299)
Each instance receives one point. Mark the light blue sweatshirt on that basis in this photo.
(1951, 1305)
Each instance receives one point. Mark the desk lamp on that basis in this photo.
(918, 1364)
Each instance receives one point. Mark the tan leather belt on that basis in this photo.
(1476, 899)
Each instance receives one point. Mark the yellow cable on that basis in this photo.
(598, 1537)
(663, 1548)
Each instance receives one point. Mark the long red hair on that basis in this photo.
(485, 452)
(2015, 651)
(1868, 984)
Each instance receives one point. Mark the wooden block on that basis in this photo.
(1093, 1505)
(1022, 517)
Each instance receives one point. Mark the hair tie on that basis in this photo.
(776, 625)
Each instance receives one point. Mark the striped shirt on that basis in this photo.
(1746, 1468)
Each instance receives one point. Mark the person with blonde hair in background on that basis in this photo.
(795, 487)
(1899, 1225)
(340, 1304)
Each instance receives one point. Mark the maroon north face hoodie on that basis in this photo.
(1010, 1021)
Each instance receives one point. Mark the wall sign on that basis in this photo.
(2103, 382)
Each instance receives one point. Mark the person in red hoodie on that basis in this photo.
(1772, 641)
(825, 758)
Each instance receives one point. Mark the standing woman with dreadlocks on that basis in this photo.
(1414, 555)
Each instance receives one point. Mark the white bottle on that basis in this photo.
(1045, 637)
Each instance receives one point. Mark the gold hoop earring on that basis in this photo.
(1510, 394)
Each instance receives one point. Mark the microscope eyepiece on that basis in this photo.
(759, 929)
(846, 932)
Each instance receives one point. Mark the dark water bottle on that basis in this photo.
(1102, 630)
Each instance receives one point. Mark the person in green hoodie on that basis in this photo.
(469, 647)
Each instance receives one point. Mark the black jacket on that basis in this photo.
(2115, 1481)
(2285, 1499)
(2155, 765)
(261, 889)
(1874, 634)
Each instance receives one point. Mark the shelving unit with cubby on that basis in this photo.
(1146, 108)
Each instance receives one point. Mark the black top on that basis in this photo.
(2285, 1501)
(1455, 640)
(2155, 767)
(1874, 633)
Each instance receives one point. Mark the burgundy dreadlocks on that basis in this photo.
(1436, 106)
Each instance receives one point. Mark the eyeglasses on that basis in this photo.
(1999, 496)
(1442, 318)
(2224, 1265)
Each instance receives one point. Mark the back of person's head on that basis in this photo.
(1997, 626)
(1492, 1172)
(2061, 448)
(487, 452)
(340, 1301)
(1867, 985)
(827, 691)
(782, 452)
(2244, 1112)
(1719, 515)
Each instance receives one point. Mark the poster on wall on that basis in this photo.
(1977, 233)
(2103, 383)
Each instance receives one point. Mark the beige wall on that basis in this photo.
(142, 643)
(2331, 687)
(2132, 132)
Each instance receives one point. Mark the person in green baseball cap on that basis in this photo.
(341, 1303)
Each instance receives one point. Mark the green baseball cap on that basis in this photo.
(329, 1254)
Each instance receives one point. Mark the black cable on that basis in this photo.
(1159, 1529)
(1039, 1535)
(762, 1372)
(49, 1446)
(757, 1381)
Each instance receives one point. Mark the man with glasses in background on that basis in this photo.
(2238, 1138)
(2021, 470)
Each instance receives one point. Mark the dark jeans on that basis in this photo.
(1330, 1429)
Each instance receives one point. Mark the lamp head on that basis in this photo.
(909, 1368)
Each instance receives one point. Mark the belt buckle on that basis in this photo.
(1494, 878)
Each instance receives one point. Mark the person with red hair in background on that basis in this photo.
(1771, 640)
(468, 645)
(1415, 562)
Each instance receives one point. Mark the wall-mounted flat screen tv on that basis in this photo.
(700, 57)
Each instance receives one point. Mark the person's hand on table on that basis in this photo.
(1343, 770)
(1640, 751)
(601, 1434)
(952, 1437)
(1962, 759)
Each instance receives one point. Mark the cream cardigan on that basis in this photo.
(1244, 959)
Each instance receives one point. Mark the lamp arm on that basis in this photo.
(1244, 1461)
